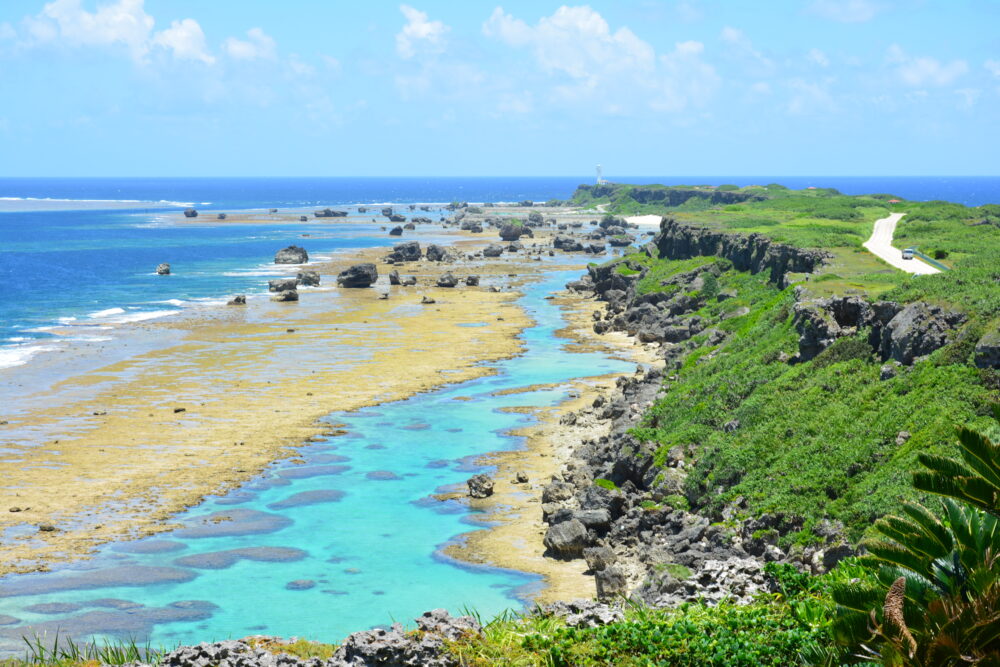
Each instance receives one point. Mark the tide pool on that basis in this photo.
(349, 538)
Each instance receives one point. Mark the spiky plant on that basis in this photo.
(933, 597)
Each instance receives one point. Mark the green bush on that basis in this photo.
(605, 484)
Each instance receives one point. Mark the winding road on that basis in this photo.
(880, 245)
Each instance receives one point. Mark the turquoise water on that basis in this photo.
(349, 540)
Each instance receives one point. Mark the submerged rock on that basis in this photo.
(163, 269)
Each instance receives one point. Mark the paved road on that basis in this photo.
(880, 245)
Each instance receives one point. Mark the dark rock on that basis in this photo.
(359, 275)
(584, 613)
(917, 330)
(330, 213)
(238, 300)
(163, 269)
(300, 585)
(987, 354)
(394, 277)
(566, 540)
(599, 558)
(397, 218)
(221, 216)
(287, 295)
(427, 300)
(303, 218)
(436, 253)
(396, 231)
(293, 254)
(610, 583)
(190, 213)
(480, 486)
(512, 232)
(567, 244)
(447, 280)
(308, 278)
(472, 281)
(405, 252)
(493, 250)
(397, 648)
(282, 285)
(521, 477)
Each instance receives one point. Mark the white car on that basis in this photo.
(908, 253)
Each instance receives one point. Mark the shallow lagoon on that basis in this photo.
(350, 539)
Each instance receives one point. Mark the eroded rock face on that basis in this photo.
(567, 244)
(436, 253)
(309, 278)
(566, 540)
(405, 252)
(480, 486)
(988, 350)
(282, 285)
(917, 330)
(286, 295)
(293, 254)
(512, 232)
(359, 275)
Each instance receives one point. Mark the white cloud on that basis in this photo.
(818, 57)
(259, 46)
(7, 31)
(846, 11)
(924, 71)
(575, 40)
(993, 67)
(808, 97)
(685, 79)
(419, 33)
(123, 23)
(186, 40)
(742, 50)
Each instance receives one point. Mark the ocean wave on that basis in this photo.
(108, 312)
(142, 316)
(164, 202)
(19, 355)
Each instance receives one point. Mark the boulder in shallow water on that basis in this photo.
(190, 213)
(293, 254)
(309, 278)
(447, 280)
(396, 231)
(282, 285)
(480, 486)
(405, 252)
(493, 250)
(472, 281)
(163, 269)
(287, 295)
(407, 281)
(359, 275)
(221, 216)
(436, 253)
(238, 300)
(394, 277)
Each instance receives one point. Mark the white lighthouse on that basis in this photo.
(600, 176)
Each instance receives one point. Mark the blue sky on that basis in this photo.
(645, 87)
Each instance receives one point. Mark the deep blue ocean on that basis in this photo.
(359, 527)
(96, 266)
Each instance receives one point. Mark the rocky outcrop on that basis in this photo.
(493, 250)
(293, 254)
(163, 269)
(359, 275)
(394, 277)
(917, 330)
(753, 252)
(397, 218)
(668, 197)
(436, 253)
(308, 278)
(282, 284)
(480, 486)
(512, 232)
(330, 213)
(567, 243)
(472, 281)
(286, 295)
(987, 353)
(190, 213)
(238, 300)
(396, 231)
(405, 252)
(447, 280)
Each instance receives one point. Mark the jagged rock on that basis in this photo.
(515, 246)
(397, 648)
(493, 250)
(163, 269)
(221, 216)
(238, 300)
(303, 218)
(599, 558)
(405, 252)
(397, 218)
(359, 275)
(293, 254)
(282, 285)
(427, 299)
(447, 280)
(611, 583)
(410, 226)
(621, 240)
(287, 295)
(472, 281)
(584, 613)
(436, 253)
(917, 330)
(987, 354)
(394, 277)
(567, 539)
(480, 486)
(512, 232)
(190, 213)
(396, 231)
(387, 211)
(521, 477)
(567, 244)
(407, 281)
(309, 278)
